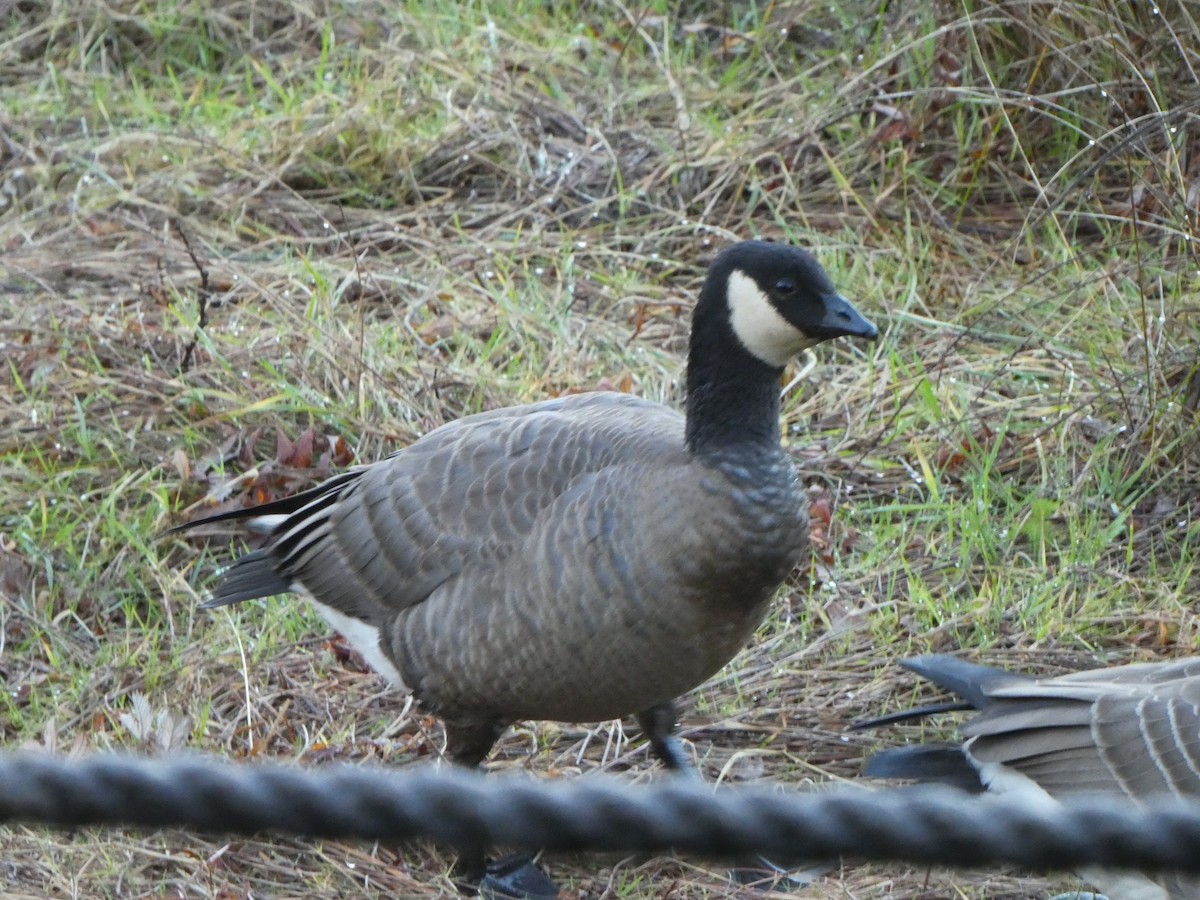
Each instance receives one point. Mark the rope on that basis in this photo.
(928, 824)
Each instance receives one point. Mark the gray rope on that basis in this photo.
(930, 825)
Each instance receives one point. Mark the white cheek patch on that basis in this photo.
(759, 326)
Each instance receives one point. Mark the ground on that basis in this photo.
(245, 244)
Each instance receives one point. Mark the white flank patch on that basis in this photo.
(758, 324)
(1124, 885)
(362, 637)
(1001, 779)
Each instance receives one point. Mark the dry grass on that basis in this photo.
(224, 224)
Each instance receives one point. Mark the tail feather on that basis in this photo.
(909, 715)
(967, 681)
(256, 574)
(964, 679)
(940, 763)
(282, 507)
(248, 578)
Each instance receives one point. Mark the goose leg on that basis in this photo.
(658, 726)
(468, 742)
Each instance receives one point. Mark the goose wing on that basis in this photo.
(382, 537)
(1133, 730)
(1130, 729)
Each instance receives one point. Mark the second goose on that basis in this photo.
(1130, 732)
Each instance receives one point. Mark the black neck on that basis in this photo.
(732, 396)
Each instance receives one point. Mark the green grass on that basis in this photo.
(407, 213)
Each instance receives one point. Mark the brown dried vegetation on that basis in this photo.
(243, 244)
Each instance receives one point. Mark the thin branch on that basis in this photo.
(202, 297)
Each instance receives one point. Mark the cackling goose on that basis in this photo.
(577, 559)
(1131, 731)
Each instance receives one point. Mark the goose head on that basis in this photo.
(761, 305)
(777, 301)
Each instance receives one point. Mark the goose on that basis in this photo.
(1130, 731)
(578, 559)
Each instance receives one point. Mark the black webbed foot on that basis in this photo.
(658, 726)
(760, 873)
(516, 876)
(468, 742)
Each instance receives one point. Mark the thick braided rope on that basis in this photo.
(931, 825)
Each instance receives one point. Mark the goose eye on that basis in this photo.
(785, 287)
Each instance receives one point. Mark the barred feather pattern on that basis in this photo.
(1130, 731)
(516, 542)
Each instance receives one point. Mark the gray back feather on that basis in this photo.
(1132, 731)
(1131, 728)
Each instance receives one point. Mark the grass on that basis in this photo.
(225, 224)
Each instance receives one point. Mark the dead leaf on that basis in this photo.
(284, 448)
(342, 455)
(438, 329)
(171, 732)
(302, 454)
(139, 719)
(15, 572)
(181, 464)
